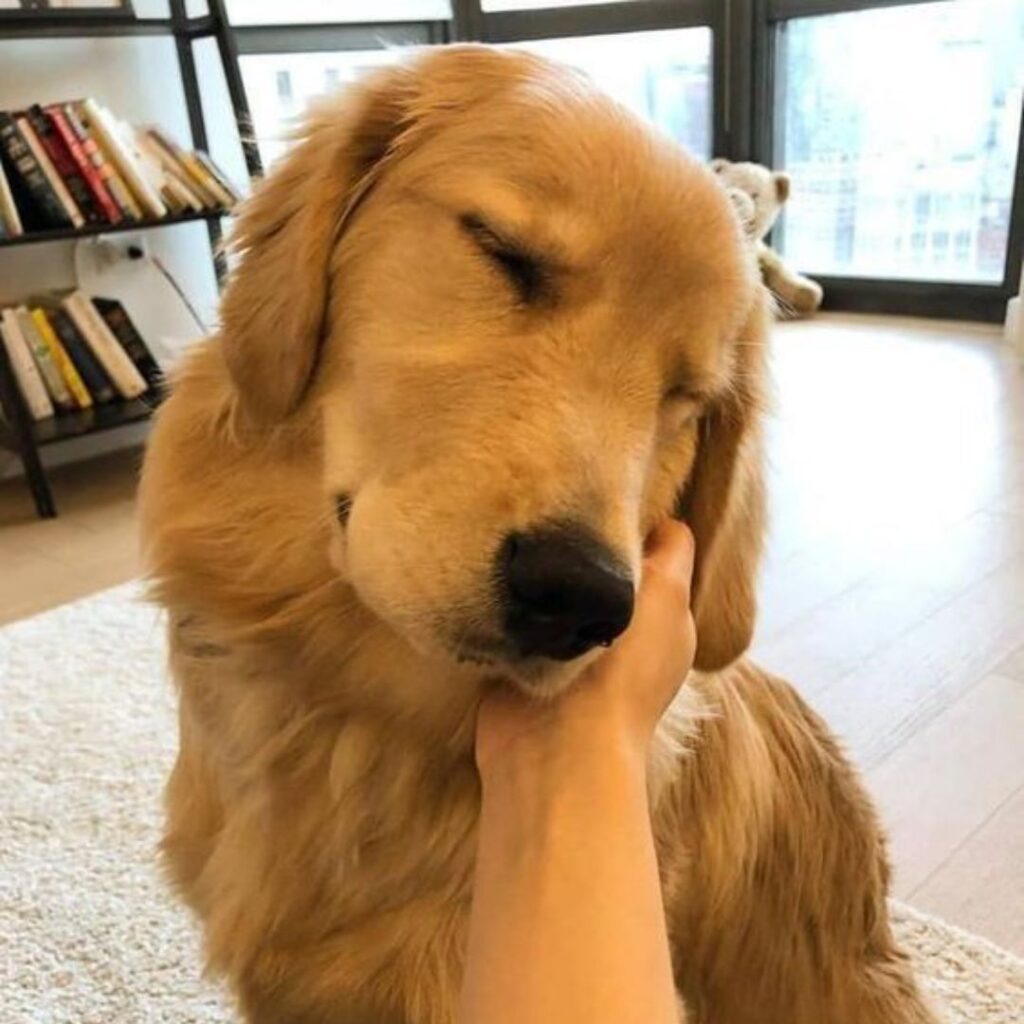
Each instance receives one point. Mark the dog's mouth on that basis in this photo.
(534, 675)
(485, 651)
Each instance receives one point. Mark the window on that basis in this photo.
(899, 122)
(531, 5)
(285, 96)
(922, 207)
(280, 85)
(963, 248)
(664, 75)
(921, 101)
(296, 12)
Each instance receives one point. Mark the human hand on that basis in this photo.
(618, 700)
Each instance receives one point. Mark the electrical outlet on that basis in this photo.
(129, 247)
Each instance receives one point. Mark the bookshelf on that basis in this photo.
(72, 234)
(19, 433)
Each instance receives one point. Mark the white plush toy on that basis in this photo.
(758, 194)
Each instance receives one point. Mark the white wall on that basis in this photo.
(138, 79)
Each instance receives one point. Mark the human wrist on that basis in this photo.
(567, 750)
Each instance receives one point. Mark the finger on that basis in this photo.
(670, 549)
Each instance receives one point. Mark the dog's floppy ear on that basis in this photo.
(274, 307)
(724, 506)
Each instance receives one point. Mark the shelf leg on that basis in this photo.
(20, 423)
(37, 482)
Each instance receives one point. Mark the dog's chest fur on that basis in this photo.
(336, 839)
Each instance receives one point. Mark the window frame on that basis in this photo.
(746, 112)
(959, 300)
(330, 38)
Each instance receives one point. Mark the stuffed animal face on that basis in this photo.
(766, 189)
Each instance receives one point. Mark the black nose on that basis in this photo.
(563, 593)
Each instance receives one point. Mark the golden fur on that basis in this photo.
(322, 812)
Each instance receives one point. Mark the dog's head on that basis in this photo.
(530, 329)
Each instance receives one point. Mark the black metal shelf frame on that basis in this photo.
(17, 429)
(91, 230)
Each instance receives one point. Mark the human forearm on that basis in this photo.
(586, 912)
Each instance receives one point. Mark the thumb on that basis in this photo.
(669, 550)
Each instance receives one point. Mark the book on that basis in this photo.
(178, 196)
(56, 183)
(64, 164)
(154, 172)
(173, 158)
(102, 122)
(162, 178)
(103, 200)
(49, 213)
(175, 178)
(26, 373)
(56, 387)
(9, 215)
(74, 382)
(120, 324)
(89, 368)
(218, 178)
(119, 191)
(114, 360)
(193, 171)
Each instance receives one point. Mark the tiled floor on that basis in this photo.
(893, 594)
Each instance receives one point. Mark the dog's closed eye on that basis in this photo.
(681, 393)
(342, 507)
(526, 271)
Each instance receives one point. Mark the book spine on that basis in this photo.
(56, 183)
(219, 178)
(127, 334)
(55, 386)
(116, 149)
(107, 172)
(192, 170)
(198, 172)
(8, 208)
(174, 173)
(175, 196)
(64, 164)
(90, 370)
(102, 199)
(128, 381)
(67, 370)
(23, 161)
(26, 373)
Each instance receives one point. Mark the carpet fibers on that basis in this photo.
(88, 934)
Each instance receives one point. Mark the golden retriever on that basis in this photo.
(485, 329)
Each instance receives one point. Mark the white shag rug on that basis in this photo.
(88, 934)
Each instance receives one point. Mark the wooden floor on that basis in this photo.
(893, 593)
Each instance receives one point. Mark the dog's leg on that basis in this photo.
(775, 872)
